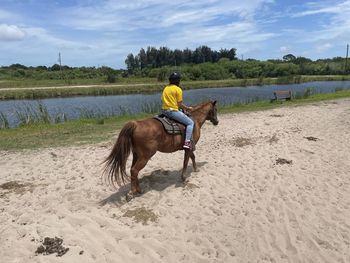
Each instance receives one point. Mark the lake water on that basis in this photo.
(77, 107)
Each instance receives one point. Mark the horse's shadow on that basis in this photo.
(157, 180)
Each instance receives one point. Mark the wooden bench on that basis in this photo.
(282, 95)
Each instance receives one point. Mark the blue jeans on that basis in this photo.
(182, 118)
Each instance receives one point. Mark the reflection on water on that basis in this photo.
(77, 107)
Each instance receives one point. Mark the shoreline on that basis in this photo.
(87, 131)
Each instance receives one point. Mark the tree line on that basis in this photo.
(226, 68)
(153, 57)
(64, 72)
(202, 63)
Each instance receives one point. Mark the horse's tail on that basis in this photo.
(115, 163)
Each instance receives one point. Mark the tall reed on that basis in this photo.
(4, 122)
(31, 114)
(151, 107)
(86, 113)
(305, 94)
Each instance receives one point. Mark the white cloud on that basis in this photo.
(331, 34)
(138, 14)
(41, 47)
(319, 8)
(244, 36)
(36, 35)
(11, 33)
(284, 49)
(43, 37)
(334, 28)
(324, 47)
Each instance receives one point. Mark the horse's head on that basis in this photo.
(212, 114)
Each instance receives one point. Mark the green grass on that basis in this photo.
(18, 90)
(63, 134)
(98, 130)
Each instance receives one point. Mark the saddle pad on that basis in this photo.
(170, 126)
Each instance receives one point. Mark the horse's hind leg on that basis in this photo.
(134, 159)
(137, 166)
(193, 158)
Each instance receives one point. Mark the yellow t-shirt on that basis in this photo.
(172, 94)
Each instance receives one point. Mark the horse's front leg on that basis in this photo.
(184, 168)
(193, 158)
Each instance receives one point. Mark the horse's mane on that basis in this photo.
(201, 105)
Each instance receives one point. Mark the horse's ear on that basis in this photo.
(214, 102)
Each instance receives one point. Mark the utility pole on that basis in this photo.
(60, 61)
(346, 59)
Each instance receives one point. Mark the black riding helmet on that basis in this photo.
(174, 78)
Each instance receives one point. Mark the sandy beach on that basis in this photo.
(272, 186)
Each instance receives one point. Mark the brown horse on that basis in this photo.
(145, 137)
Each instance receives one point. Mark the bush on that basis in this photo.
(192, 73)
(111, 78)
(210, 71)
(163, 74)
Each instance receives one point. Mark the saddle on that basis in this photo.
(173, 127)
(170, 126)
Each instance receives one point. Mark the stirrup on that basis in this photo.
(187, 145)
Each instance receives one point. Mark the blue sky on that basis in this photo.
(97, 33)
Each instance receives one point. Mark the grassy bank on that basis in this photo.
(54, 89)
(62, 134)
(97, 130)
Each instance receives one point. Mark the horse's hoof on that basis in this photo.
(129, 196)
